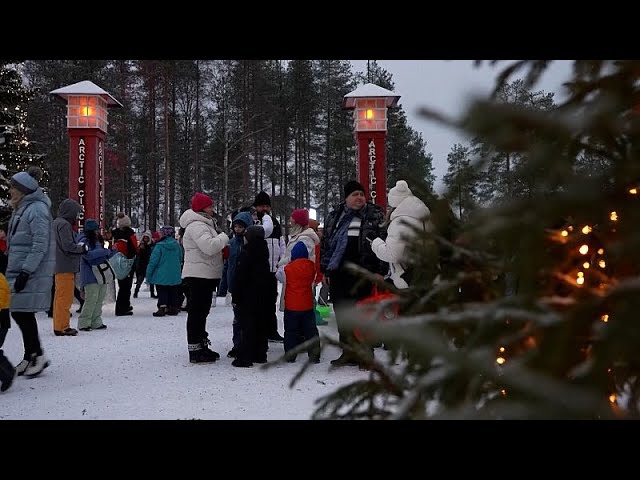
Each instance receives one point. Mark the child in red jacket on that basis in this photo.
(297, 302)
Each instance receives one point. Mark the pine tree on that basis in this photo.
(461, 180)
(15, 151)
(536, 315)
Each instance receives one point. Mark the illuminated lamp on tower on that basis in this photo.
(369, 103)
(87, 123)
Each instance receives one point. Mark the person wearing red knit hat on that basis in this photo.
(202, 271)
(200, 202)
(299, 230)
(300, 217)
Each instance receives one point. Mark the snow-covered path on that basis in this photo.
(138, 368)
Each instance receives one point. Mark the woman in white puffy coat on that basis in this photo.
(202, 271)
(409, 213)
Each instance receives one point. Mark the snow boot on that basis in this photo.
(7, 373)
(198, 354)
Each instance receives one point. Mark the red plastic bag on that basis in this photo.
(226, 252)
(369, 306)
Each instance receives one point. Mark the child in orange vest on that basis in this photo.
(297, 302)
(7, 371)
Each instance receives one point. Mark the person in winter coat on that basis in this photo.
(349, 230)
(239, 225)
(252, 298)
(300, 232)
(164, 271)
(91, 316)
(125, 242)
(276, 246)
(297, 301)
(31, 247)
(7, 370)
(68, 253)
(144, 254)
(409, 216)
(202, 266)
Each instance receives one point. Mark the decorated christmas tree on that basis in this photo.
(533, 313)
(15, 150)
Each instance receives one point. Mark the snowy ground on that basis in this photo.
(138, 368)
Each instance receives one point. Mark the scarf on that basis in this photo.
(338, 242)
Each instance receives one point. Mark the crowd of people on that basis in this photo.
(44, 261)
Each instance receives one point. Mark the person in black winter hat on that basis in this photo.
(352, 186)
(276, 246)
(349, 230)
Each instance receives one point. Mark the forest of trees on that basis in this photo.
(229, 128)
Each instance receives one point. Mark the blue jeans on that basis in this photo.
(237, 331)
(222, 288)
(298, 328)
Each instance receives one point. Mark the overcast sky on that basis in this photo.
(446, 86)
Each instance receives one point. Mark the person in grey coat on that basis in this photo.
(31, 262)
(68, 253)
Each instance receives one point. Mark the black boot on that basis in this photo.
(7, 373)
(344, 360)
(197, 354)
(205, 345)
(314, 354)
(162, 311)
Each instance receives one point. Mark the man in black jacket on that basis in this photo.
(276, 246)
(348, 232)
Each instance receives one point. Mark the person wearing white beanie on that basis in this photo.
(398, 193)
(409, 217)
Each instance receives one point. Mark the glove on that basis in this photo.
(21, 282)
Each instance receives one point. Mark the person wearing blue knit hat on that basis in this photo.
(31, 263)
(94, 289)
(296, 301)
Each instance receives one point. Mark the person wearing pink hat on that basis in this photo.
(300, 231)
(202, 271)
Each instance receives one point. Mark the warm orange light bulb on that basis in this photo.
(605, 318)
(584, 249)
(586, 229)
(602, 263)
(88, 111)
(500, 360)
(613, 216)
(564, 233)
(369, 114)
(585, 265)
(501, 349)
(600, 251)
(612, 398)
(580, 280)
(633, 191)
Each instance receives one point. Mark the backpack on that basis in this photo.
(121, 265)
(104, 273)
